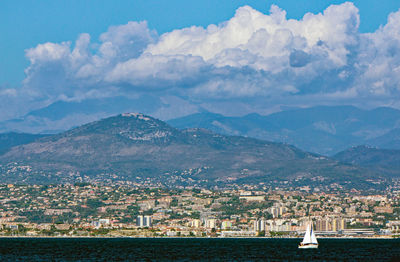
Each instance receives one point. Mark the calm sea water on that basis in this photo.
(190, 249)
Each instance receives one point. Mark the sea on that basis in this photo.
(195, 249)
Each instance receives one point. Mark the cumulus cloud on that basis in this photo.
(263, 60)
(60, 70)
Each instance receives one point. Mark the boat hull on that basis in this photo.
(308, 246)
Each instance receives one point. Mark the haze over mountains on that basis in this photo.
(325, 130)
(135, 146)
(381, 160)
(64, 115)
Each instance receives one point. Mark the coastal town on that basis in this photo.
(89, 210)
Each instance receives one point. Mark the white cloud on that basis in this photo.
(252, 54)
(263, 60)
(157, 71)
(267, 36)
(48, 52)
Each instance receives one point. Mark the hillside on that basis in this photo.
(133, 147)
(9, 140)
(381, 160)
(325, 130)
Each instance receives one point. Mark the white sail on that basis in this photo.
(307, 236)
(309, 240)
(313, 238)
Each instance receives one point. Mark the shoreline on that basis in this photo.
(142, 237)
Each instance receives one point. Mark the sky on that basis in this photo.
(225, 56)
(25, 24)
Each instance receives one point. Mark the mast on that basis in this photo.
(313, 238)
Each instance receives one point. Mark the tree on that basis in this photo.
(261, 233)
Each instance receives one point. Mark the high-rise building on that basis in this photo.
(211, 223)
(259, 225)
(277, 211)
(139, 221)
(147, 221)
(322, 225)
(338, 224)
(330, 224)
(143, 221)
(196, 223)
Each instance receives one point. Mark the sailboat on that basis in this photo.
(309, 240)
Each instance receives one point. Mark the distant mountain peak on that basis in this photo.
(360, 148)
(137, 115)
(197, 130)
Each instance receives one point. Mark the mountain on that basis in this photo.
(8, 140)
(381, 160)
(389, 140)
(325, 130)
(135, 147)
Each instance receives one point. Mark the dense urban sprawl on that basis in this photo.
(119, 210)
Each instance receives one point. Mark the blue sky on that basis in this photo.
(25, 24)
(174, 58)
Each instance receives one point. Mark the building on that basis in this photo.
(139, 221)
(101, 223)
(277, 211)
(252, 198)
(143, 221)
(237, 233)
(260, 225)
(196, 223)
(394, 226)
(383, 209)
(323, 225)
(226, 224)
(338, 224)
(330, 224)
(211, 223)
(279, 225)
(147, 221)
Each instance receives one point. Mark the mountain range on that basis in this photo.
(324, 130)
(136, 147)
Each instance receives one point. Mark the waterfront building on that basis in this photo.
(226, 224)
(279, 225)
(196, 223)
(143, 221)
(147, 221)
(211, 223)
(260, 225)
(338, 224)
(139, 221)
(330, 224)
